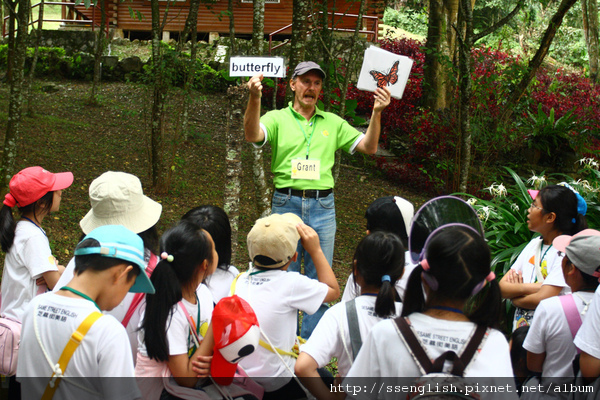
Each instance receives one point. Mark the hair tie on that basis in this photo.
(386, 278)
(574, 221)
(9, 200)
(490, 277)
(425, 264)
(430, 280)
(165, 256)
(581, 204)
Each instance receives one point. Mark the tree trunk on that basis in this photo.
(262, 191)
(38, 39)
(15, 105)
(349, 68)
(191, 23)
(535, 62)
(589, 10)
(464, 112)
(12, 22)
(298, 39)
(98, 53)
(237, 98)
(232, 49)
(158, 102)
(440, 50)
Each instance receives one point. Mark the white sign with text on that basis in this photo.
(272, 67)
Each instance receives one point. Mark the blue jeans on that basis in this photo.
(319, 214)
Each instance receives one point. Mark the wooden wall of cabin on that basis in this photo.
(214, 19)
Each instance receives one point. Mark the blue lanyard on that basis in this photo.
(78, 293)
(308, 138)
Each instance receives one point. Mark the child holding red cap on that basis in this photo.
(537, 273)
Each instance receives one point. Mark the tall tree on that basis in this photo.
(158, 101)
(440, 51)
(237, 97)
(464, 114)
(99, 46)
(589, 10)
(15, 103)
(535, 62)
(301, 9)
(37, 35)
(262, 191)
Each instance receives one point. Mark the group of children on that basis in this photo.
(133, 305)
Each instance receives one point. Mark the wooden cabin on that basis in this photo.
(212, 17)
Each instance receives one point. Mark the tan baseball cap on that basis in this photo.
(273, 240)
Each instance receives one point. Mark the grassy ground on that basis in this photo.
(66, 135)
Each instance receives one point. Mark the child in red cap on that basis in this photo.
(36, 193)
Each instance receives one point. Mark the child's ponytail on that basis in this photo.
(379, 261)
(414, 300)
(159, 307)
(385, 303)
(7, 228)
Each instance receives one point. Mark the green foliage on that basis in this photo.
(547, 133)
(411, 20)
(504, 216)
(504, 219)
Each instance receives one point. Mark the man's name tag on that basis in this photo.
(306, 169)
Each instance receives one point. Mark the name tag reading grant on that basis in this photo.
(306, 169)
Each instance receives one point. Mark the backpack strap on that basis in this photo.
(571, 312)
(137, 299)
(459, 363)
(65, 357)
(353, 328)
(234, 283)
(414, 345)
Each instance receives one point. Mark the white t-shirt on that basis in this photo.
(352, 290)
(219, 282)
(588, 336)
(384, 354)
(326, 340)
(178, 328)
(103, 352)
(27, 259)
(276, 296)
(119, 311)
(525, 264)
(550, 333)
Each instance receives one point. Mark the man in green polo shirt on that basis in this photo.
(304, 140)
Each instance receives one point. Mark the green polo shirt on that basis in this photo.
(290, 133)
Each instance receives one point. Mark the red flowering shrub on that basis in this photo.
(426, 143)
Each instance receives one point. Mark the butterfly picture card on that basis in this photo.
(382, 68)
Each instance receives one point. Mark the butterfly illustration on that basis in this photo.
(388, 79)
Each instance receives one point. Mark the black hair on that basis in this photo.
(518, 354)
(97, 262)
(215, 221)
(150, 238)
(459, 259)
(563, 202)
(378, 254)
(8, 223)
(383, 214)
(190, 247)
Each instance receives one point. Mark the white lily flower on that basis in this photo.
(471, 201)
(514, 207)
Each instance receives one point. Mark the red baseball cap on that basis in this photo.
(236, 333)
(31, 184)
